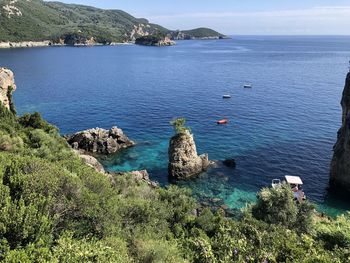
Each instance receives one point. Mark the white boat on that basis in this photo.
(226, 96)
(247, 86)
(296, 183)
(275, 183)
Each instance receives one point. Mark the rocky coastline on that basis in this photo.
(99, 141)
(154, 41)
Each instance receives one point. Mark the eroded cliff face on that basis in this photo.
(7, 86)
(184, 161)
(340, 166)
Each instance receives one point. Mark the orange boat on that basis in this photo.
(223, 121)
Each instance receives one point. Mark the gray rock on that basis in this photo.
(100, 141)
(93, 162)
(340, 165)
(7, 86)
(139, 176)
(183, 159)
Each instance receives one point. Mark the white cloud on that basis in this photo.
(318, 20)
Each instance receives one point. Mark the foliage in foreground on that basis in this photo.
(53, 208)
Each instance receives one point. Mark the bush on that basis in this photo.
(35, 121)
(179, 125)
(10, 143)
(277, 206)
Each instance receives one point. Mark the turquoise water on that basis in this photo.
(285, 124)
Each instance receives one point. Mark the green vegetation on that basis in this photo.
(54, 20)
(202, 32)
(179, 125)
(54, 208)
(74, 24)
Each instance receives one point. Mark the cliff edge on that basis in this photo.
(340, 165)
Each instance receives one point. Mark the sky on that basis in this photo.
(240, 17)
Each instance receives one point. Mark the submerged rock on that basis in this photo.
(183, 159)
(230, 163)
(7, 86)
(340, 165)
(100, 141)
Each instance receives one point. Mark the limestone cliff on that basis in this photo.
(340, 166)
(7, 86)
(99, 140)
(184, 161)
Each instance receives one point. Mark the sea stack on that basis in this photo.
(184, 162)
(7, 86)
(100, 141)
(340, 166)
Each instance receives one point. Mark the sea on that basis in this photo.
(286, 123)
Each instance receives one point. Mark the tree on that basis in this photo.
(277, 206)
(179, 125)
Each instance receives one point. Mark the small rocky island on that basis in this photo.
(153, 40)
(184, 162)
(340, 166)
(100, 141)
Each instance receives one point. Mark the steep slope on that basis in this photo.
(37, 20)
(340, 166)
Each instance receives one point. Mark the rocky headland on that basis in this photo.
(29, 23)
(99, 141)
(340, 165)
(154, 41)
(184, 162)
(7, 86)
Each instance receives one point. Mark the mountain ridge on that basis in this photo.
(37, 20)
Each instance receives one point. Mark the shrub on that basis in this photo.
(179, 125)
(10, 143)
(36, 121)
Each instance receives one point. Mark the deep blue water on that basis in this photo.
(286, 124)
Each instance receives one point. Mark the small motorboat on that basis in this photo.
(247, 86)
(227, 96)
(223, 121)
(275, 183)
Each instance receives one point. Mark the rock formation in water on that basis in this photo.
(99, 140)
(154, 41)
(184, 161)
(340, 166)
(7, 86)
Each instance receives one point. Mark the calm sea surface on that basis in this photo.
(285, 124)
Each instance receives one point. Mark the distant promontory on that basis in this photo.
(30, 23)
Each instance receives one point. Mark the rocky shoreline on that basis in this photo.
(48, 43)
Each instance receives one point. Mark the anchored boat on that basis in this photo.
(226, 96)
(223, 121)
(247, 86)
(295, 183)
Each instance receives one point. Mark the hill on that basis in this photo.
(198, 33)
(37, 20)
